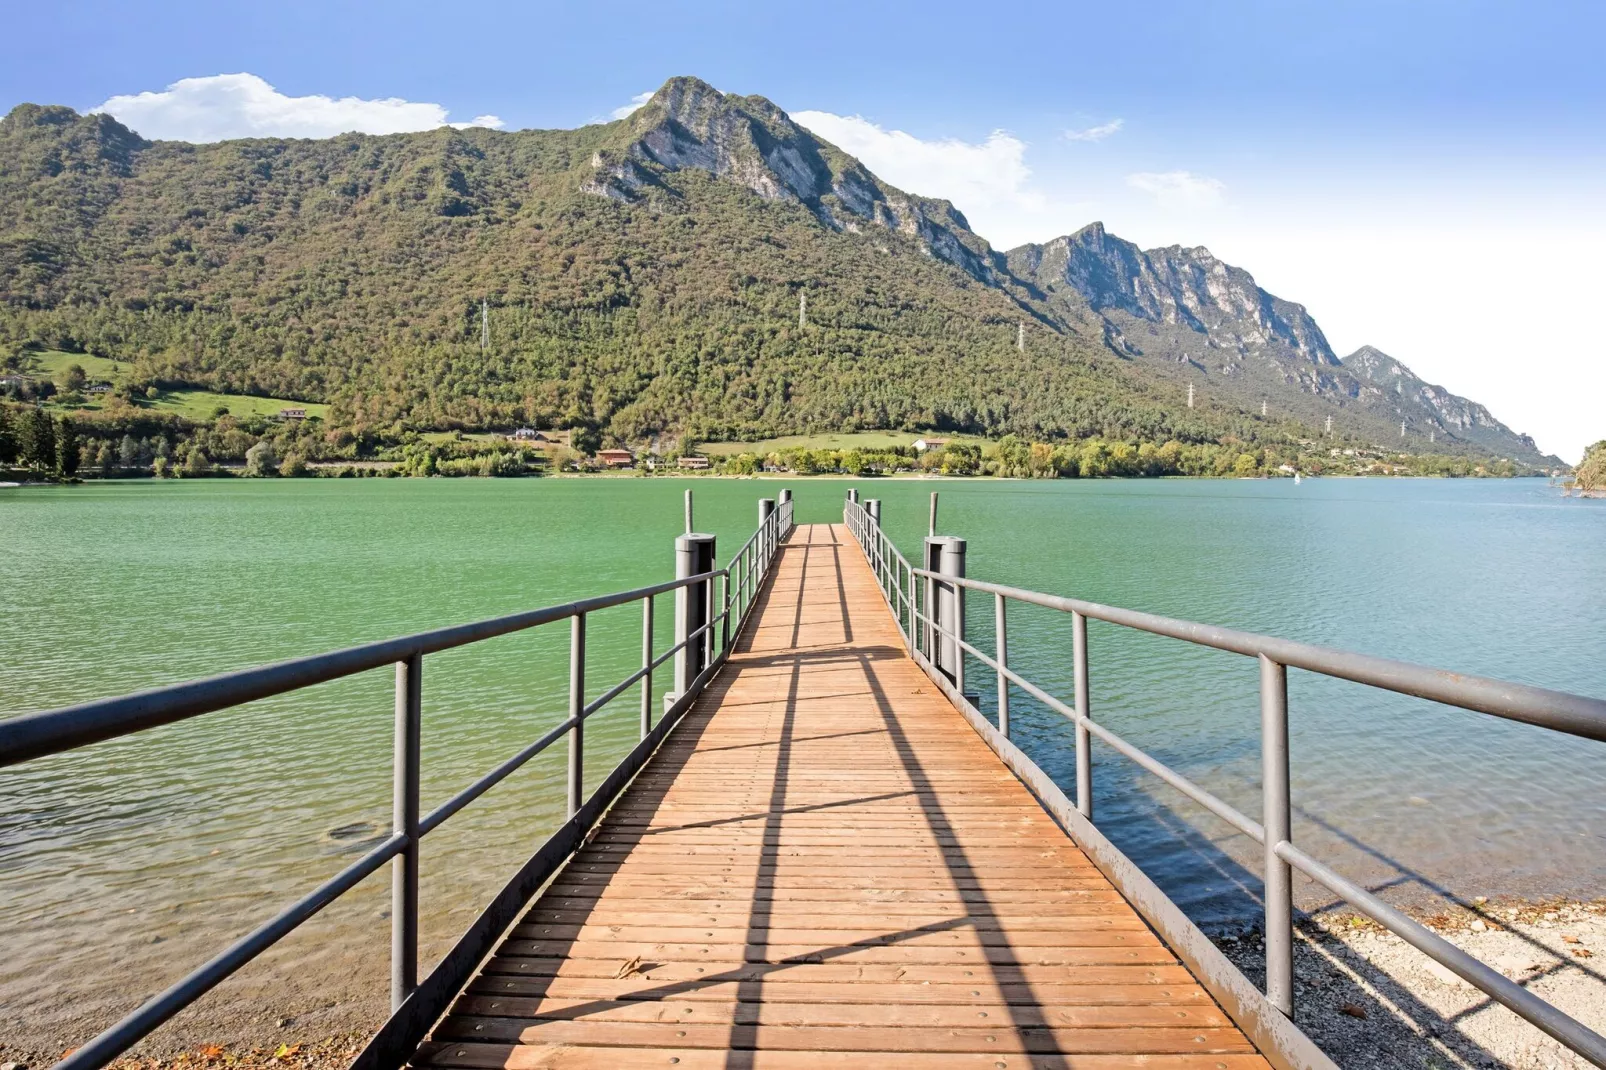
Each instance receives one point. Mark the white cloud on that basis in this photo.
(988, 181)
(1095, 133)
(243, 105)
(1179, 189)
(624, 111)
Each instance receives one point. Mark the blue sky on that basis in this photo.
(1428, 177)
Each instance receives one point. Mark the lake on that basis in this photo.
(125, 864)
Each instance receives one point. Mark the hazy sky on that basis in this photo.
(1426, 177)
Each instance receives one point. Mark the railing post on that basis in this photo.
(646, 665)
(1275, 817)
(577, 705)
(1084, 738)
(404, 820)
(1002, 628)
(725, 620)
(694, 555)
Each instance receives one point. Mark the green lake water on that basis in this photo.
(139, 857)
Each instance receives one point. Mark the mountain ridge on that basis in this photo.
(287, 265)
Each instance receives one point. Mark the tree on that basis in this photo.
(585, 439)
(39, 447)
(8, 437)
(1245, 465)
(128, 452)
(66, 450)
(260, 460)
(1590, 475)
(196, 462)
(106, 459)
(294, 465)
(74, 379)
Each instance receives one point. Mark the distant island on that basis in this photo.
(705, 270)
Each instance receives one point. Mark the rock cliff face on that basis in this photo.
(1196, 319)
(1416, 400)
(1178, 287)
(690, 125)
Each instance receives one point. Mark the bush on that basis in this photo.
(260, 460)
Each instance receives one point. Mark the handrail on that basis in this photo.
(39, 734)
(34, 735)
(1559, 711)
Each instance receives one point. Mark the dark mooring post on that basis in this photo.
(694, 555)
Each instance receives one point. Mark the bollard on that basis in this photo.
(694, 555)
(853, 494)
(786, 495)
(873, 507)
(946, 554)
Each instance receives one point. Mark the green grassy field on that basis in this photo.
(837, 440)
(198, 405)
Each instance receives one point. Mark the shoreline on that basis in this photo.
(1362, 994)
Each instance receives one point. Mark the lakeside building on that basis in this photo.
(292, 414)
(697, 463)
(616, 458)
(527, 434)
(921, 445)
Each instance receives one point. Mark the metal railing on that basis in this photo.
(36, 735)
(928, 604)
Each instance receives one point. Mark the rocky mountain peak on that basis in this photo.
(1178, 286)
(690, 125)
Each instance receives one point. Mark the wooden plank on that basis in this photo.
(826, 867)
(479, 1056)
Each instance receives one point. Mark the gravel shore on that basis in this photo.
(1365, 996)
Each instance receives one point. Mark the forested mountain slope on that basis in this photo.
(641, 276)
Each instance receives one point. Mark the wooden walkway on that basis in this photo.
(824, 866)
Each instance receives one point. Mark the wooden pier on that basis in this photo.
(825, 866)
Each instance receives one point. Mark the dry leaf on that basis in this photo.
(1571, 940)
(210, 1051)
(628, 968)
(1583, 952)
(1354, 1010)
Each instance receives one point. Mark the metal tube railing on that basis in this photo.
(1559, 711)
(49, 732)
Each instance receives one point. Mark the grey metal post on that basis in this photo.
(1002, 629)
(725, 619)
(786, 494)
(946, 604)
(928, 600)
(953, 598)
(646, 665)
(1084, 738)
(853, 494)
(404, 820)
(577, 704)
(1275, 817)
(688, 512)
(767, 521)
(872, 510)
(694, 555)
(932, 532)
